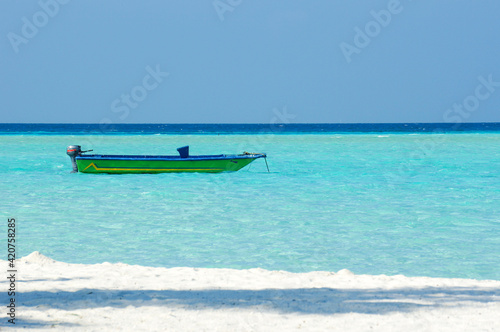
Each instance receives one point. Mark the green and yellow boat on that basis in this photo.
(120, 164)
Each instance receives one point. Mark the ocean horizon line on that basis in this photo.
(247, 123)
(241, 128)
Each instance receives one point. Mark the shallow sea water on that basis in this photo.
(412, 204)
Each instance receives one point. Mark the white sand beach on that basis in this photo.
(109, 297)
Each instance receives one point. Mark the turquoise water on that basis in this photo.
(412, 204)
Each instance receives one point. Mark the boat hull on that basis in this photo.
(144, 164)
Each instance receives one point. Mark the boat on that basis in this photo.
(120, 164)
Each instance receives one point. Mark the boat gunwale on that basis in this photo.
(170, 158)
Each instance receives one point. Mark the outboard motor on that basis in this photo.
(73, 151)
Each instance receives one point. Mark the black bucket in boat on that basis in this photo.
(184, 151)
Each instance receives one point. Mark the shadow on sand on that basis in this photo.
(323, 301)
(301, 300)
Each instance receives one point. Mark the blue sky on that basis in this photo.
(242, 61)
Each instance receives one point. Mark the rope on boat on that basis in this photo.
(265, 159)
